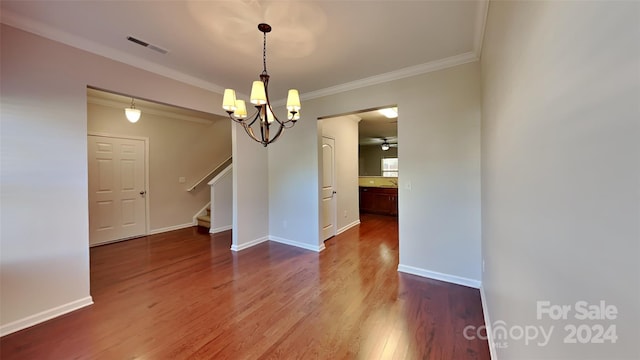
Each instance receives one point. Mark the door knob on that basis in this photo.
(142, 193)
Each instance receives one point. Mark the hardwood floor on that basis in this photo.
(185, 295)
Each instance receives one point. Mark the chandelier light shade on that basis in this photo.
(132, 114)
(270, 126)
(258, 93)
(385, 146)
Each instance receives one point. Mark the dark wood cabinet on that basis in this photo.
(379, 200)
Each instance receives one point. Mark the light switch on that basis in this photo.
(407, 185)
(182, 180)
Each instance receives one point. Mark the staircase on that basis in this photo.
(204, 221)
(222, 191)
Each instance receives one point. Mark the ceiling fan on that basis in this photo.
(386, 145)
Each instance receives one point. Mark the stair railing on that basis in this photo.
(223, 165)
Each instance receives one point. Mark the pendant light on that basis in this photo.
(132, 114)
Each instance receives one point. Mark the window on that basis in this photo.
(390, 167)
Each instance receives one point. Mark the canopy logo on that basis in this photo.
(501, 333)
(583, 322)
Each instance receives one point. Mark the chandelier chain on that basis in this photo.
(264, 54)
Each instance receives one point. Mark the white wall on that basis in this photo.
(293, 185)
(44, 260)
(344, 130)
(561, 169)
(250, 193)
(439, 129)
(45, 247)
(222, 201)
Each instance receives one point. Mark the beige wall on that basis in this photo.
(370, 159)
(439, 217)
(561, 171)
(44, 169)
(344, 130)
(177, 148)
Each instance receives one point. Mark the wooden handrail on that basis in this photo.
(223, 164)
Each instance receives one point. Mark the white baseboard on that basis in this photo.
(487, 324)
(220, 229)
(439, 276)
(347, 227)
(44, 316)
(151, 232)
(249, 244)
(316, 248)
(171, 228)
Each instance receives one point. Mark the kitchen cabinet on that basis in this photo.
(379, 200)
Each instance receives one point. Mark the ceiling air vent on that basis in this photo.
(147, 45)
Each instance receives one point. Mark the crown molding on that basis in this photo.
(394, 75)
(12, 19)
(481, 22)
(38, 28)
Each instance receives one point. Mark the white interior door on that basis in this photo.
(328, 188)
(117, 189)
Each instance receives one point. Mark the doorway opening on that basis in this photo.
(360, 170)
(167, 185)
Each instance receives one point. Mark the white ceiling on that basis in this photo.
(374, 128)
(318, 47)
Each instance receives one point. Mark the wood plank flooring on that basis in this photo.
(185, 295)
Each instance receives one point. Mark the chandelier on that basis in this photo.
(264, 118)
